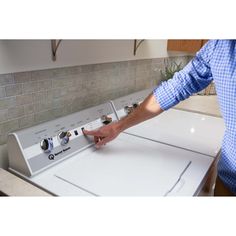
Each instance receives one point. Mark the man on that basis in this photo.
(215, 61)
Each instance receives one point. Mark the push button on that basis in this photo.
(76, 132)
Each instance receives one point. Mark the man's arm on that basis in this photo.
(193, 78)
(146, 110)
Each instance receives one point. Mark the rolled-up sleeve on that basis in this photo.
(194, 77)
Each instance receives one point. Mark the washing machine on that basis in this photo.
(188, 130)
(57, 157)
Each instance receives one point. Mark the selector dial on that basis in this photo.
(106, 119)
(129, 109)
(64, 137)
(46, 144)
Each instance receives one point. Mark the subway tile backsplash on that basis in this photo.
(29, 98)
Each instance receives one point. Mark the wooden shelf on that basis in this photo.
(191, 46)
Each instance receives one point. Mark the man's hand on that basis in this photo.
(146, 110)
(104, 134)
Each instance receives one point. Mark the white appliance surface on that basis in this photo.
(128, 166)
(197, 132)
(56, 156)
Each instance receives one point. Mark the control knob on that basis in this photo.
(46, 144)
(64, 137)
(128, 109)
(106, 119)
(135, 105)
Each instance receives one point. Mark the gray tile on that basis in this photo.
(125, 72)
(42, 95)
(42, 105)
(143, 74)
(58, 102)
(146, 61)
(91, 68)
(15, 112)
(26, 121)
(75, 81)
(72, 81)
(68, 108)
(155, 81)
(156, 67)
(141, 68)
(121, 64)
(3, 115)
(43, 74)
(9, 126)
(28, 109)
(44, 85)
(14, 89)
(52, 93)
(156, 73)
(157, 60)
(83, 76)
(59, 82)
(74, 70)
(132, 72)
(7, 102)
(22, 77)
(2, 92)
(3, 139)
(75, 91)
(30, 87)
(132, 63)
(59, 112)
(78, 103)
(24, 99)
(87, 68)
(43, 116)
(49, 95)
(59, 93)
(6, 79)
(67, 71)
(142, 84)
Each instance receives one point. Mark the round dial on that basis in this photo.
(106, 119)
(46, 144)
(128, 109)
(64, 137)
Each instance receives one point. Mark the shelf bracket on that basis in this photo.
(54, 46)
(136, 45)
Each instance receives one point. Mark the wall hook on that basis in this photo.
(54, 46)
(136, 45)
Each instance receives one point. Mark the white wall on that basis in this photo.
(26, 55)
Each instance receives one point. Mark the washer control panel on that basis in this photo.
(33, 149)
(125, 105)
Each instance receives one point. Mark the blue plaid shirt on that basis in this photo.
(215, 61)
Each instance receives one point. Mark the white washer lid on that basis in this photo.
(128, 166)
(197, 132)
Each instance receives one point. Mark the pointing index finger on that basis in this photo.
(91, 132)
